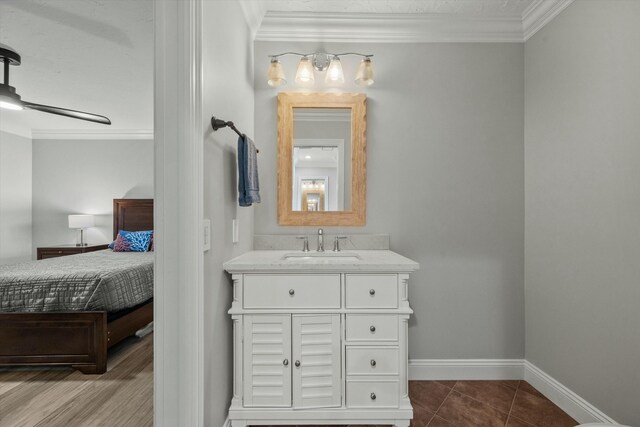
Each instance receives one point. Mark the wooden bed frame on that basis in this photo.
(80, 339)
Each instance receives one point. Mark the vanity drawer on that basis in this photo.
(372, 327)
(291, 291)
(372, 394)
(364, 360)
(372, 290)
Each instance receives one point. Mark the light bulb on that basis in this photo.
(334, 72)
(275, 73)
(304, 74)
(364, 77)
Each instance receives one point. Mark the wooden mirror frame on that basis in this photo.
(287, 101)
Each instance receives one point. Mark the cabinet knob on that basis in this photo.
(372, 328)
(373, 362)
(292, 292)
(297, 363)
(373, 396)
(285, 362)
(372, 292)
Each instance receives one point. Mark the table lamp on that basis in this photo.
(81, 222)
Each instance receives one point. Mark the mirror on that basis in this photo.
(321, 159)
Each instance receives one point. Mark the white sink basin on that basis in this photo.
(321, 257)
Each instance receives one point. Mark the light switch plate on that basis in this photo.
(234, 231)
(206, 230)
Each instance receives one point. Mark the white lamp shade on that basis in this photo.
(81, 221)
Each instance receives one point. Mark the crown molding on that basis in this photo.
(253, 12)
(111, 134)
(388, 28)
(18, 130)
(539, 14)
(400, 28)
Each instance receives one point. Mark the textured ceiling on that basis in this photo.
(92, 55)
(473, 7)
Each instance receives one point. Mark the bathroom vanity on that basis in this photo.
(320, 338)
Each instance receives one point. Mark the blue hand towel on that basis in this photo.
(248, 185)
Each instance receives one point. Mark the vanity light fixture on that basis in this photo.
(320, 61)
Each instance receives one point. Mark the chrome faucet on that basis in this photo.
(320, 240)
(336, 243)
(305, 243)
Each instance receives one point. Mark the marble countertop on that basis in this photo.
(298, 261)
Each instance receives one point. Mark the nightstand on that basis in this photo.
(64, 250)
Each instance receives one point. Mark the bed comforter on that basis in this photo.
(94, 281)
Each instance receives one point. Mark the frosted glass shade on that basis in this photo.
(276, 74)
(334, 72)
(81, 221)
(364, 77)
(304, 74)
(9, 103)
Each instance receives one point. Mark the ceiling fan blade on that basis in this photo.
(68, 113)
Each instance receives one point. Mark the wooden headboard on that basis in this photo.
(132, 215)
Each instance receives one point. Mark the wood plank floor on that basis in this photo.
(57, 397)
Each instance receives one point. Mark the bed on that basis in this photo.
(71, 310)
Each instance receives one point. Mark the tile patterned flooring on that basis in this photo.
(483, 404)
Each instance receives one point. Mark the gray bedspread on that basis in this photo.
(94, 281)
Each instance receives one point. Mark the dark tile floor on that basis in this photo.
(482, 404)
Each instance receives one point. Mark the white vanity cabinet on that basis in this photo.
(292, 361)
(323, 344)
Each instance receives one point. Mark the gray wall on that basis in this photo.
(582, 144)
(228, 94)
(83, 177)
(15, 198)
(444, 178)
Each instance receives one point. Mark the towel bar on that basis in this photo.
(219, 124)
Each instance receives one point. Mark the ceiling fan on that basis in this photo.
(10, 100)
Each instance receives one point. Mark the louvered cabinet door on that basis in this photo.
(267, 360)
(316, 361)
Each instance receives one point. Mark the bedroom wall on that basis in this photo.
(582, 153)
(83, 177)
(227, 56)
(444, 179)
(15, 198)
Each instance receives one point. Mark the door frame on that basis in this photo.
(178, 193)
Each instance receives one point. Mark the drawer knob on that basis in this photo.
(292, 292)
(59, 252)
(373, 396)
(297, 363)
(372, 328)
(373, 362)
(285, 362)
(372, 292)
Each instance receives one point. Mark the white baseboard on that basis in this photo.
(466, 369)
(227, 423)
(505, 369)
(574, 405)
